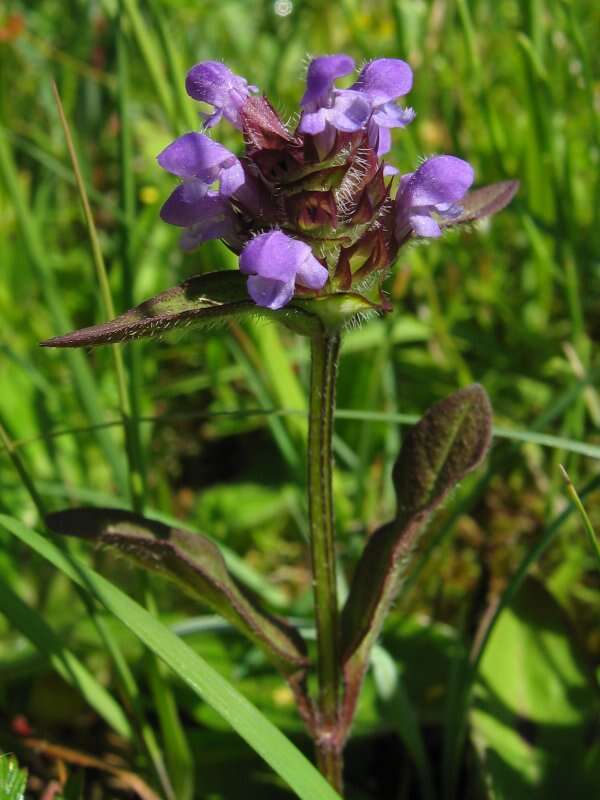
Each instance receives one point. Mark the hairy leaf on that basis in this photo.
(450, 441)
(207, 300)
(195, 564)
(484, 202)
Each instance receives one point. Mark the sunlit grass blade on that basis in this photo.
(243, 717)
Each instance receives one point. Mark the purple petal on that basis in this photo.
(273, 255)
(194, 155)
(232, 179)
(270, 293)
(380, 139)
(389, 115)
(349, 112)
(384, 79)
(424, 225)
(441, 179)
(313, 122)
(211, 218)
(311, 273)
(214, 83)
(186, 204)
(321, 74)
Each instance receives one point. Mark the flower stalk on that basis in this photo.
(325, 348)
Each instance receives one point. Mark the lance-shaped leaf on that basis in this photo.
(483, 202)
(196, 565)
(450, 441)
(203, 300)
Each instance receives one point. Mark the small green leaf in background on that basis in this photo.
(537, 706)
(13, 780)
(195, 564)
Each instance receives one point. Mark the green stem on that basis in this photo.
(324, 359)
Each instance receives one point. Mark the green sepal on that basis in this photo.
(337, 311)
(193, 562)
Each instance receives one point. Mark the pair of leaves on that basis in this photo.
(449, 441)
(195, 563)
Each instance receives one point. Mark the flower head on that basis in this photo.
(315, 210)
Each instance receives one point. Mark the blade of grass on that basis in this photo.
(499, 432)
(152, 58)
(587, 525)
(285, 759)
(127, 201)
(187, 115)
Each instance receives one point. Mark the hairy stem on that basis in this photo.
(324, 359)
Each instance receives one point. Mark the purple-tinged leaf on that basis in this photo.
(483, 202)
(449, 441)
(202, 299)
(194, 563)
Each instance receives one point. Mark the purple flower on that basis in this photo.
(215, 84)
(382, 81)
(323, 105)
(436, 186)
(275, 262)
(199, 162)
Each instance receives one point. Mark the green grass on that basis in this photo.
(212, 427)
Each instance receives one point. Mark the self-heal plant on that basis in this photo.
(317, 218)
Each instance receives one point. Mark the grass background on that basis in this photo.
(510, 85)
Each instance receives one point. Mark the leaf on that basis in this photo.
(285, 759)
(194, 563)
(449, 442)
(536, 704)
(201, 300)
(13, 780)
(484, 202)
